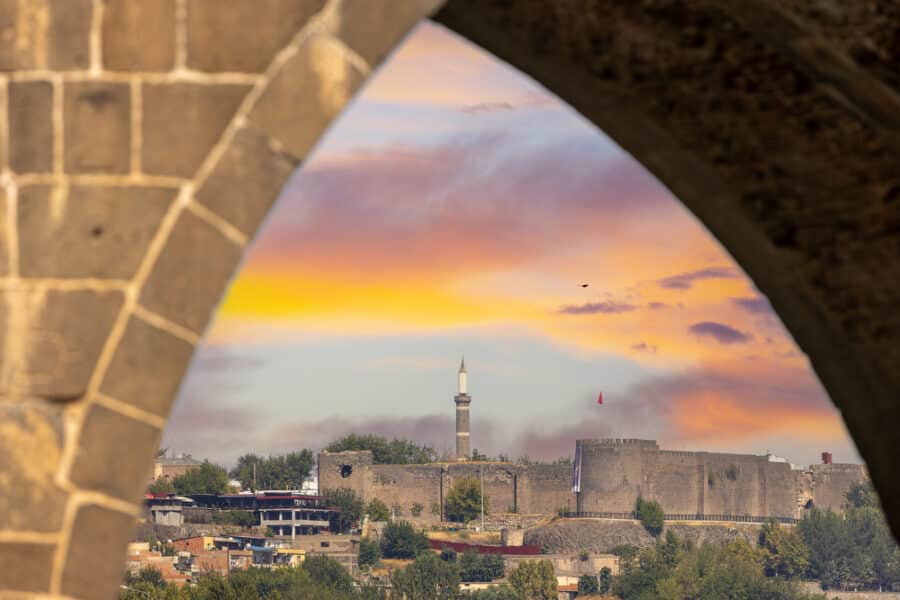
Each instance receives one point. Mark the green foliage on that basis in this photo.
(435, 508)
(416, 509)
(377, 510)
(480, 567)
(605, 580)
(148, 575)
(478, 457)
(385, 452)
(241, 518)
(587, 584)
(448, 554)
(369, 552)
(627, 554)
(496, 592)
(861, 495)
(319, 577)
(710, 572)
(401, 540)
(463, 502)
(282, 472)
(161, 486)
(651, 516)
(327, 572)
(428, 578)
(350, 505)
(854, 548)
(534, 580)
(784, 552)
(208, 478)
(270, 533)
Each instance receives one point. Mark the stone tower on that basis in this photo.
(462, 400)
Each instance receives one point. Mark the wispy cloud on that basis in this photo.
(487, 107)
(724, 334)
(609, 307)
(684, 281)
(756, 306)
(644, 347)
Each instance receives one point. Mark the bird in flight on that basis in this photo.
(584, 285)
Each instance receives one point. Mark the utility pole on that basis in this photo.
(481, 471)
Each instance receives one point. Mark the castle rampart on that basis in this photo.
(613, 473)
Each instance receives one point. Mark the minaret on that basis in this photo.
(462, 400)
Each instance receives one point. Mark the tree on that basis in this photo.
(428, 578)
(369, 552)
(161, 487)
(464, 500)
(534, 580)
(785, 553)
(378, 510)
(328, 572)
(651, 516)
(478, 457)
(401, 540)
(350, 505)
(385, 452)
(495, 592)
(861, 494)
(605, 580)
(480, 567)
(587, 584)
(286, 471)
(668, 550)
(416, 509)
(208, 478)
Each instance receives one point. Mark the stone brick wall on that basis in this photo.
(141, 144)
(830, 482)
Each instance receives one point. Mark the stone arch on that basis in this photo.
(141, 144)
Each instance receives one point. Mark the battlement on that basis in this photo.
(630, 442)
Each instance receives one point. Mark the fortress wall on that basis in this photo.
(545, 489)
(611, 474)
(780, 488)
(732, 484)
(330, 464)
(831, 482)
(402, 486)
(498, 481)
(675, 480)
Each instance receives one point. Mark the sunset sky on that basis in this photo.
(454, 209)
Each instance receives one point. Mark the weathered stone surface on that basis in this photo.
(372, 28)
(247, 180)
(102, 464)
(30, 126)
(26, 567)
(44, 34)
(182, 122)
(97, 131)
(31, 447)
(95, 561)
(308, 92)
(218, 39)
(139, 36)
(796, 183)
(89, 231)
(191, 273)
(4, 238)
(147, 367)
(65, 333)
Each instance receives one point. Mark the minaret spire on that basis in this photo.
(462, 400)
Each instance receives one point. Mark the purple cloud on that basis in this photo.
(720, 332)
(755, 306)
(657, 305)
(644, 347)
(608, 307)
(684, 281)
(487, 107)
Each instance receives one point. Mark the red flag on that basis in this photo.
(600, 398)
